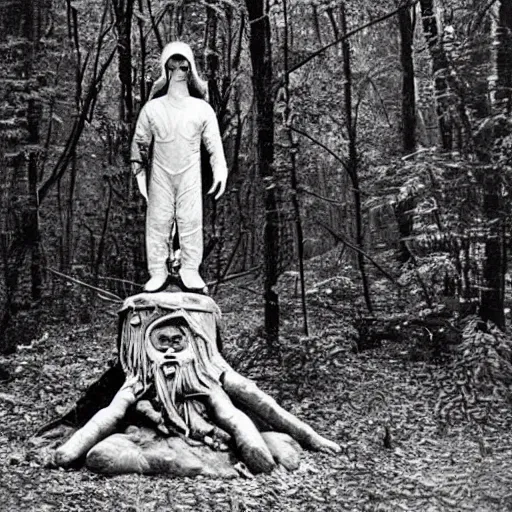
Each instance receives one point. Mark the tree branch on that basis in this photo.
(322, 145)
(305, 190)
(351, 33)
(330, 151)
(343, 240)
(107, 294)
(231, 277)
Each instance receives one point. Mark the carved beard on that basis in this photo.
(179, 374)
(203, 368)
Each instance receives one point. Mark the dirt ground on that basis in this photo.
(378, 404)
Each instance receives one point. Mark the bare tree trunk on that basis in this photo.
(403, 210)
(261, 57)
(103, 238)
(440, 71)
(353, 160)
(33, 232)
(123, 10)
(408, 90)
(494, 264)
(495, 260)
(293, 176)
(215, 213)
(503, 57)
(141, 79)
(316, 23)
(24, 22)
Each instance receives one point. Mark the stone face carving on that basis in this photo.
(204, 415)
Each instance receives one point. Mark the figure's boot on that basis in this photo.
(156, 283)
(192, 281)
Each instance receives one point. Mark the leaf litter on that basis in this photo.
(377, 404)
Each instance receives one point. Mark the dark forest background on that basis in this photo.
(381, 128)
(359, 255)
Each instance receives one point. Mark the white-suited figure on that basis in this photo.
(177, 118)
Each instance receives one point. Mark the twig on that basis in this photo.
(256, 20)
(318, 143)
(110, 295)
(350, 34)
(418, 152)
(330, 151)
(342, 239)
(118, 280)
(231, 277)
(314, 194)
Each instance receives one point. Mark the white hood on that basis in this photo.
(183, 49)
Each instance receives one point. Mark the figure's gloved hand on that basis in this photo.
(220, 177)
(140, 174)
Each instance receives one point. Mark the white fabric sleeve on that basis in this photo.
(213, 142)
(141, 138)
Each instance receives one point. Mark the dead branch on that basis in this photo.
(105, 293)
(351, 33)
(343, 240)
(231, 277)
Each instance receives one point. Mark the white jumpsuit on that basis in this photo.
(174, 193)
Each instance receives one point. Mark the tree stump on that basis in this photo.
(196, 415)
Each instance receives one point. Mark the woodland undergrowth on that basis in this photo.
(418, 431)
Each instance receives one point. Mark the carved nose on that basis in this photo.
(169, 352)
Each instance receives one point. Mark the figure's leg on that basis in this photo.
(159, 219)
(189, 216)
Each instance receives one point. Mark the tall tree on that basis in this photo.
(495, 129)
(403, 209)
(260, 45)
(406, 26)
(123, 12)
(352, 162)
(21, 114)
(293, 170)
(440, 72)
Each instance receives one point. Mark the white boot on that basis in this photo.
(192, 280)
(156, 283)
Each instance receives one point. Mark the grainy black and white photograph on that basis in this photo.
(254, 255)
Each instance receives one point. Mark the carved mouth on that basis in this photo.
(169, 369)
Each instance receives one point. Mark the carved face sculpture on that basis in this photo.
(169, 343)
(169, 340)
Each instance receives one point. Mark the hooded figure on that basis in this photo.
(198, 88)
(177, 118)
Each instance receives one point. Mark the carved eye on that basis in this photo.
(174, 341)
(164, 340)
(178, 342)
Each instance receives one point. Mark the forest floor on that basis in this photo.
(378, 404)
